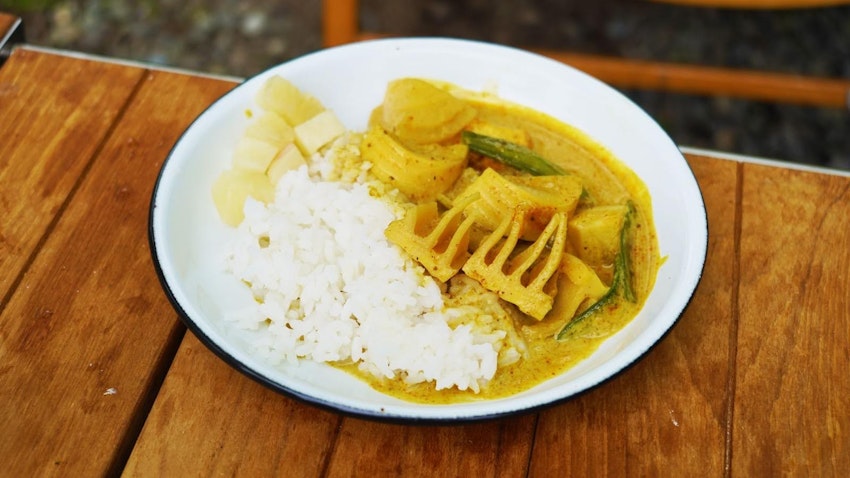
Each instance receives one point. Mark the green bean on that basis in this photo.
(513, 154)
(621, 281)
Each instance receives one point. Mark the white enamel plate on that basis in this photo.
(187, 237)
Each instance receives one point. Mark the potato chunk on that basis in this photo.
(595, 234)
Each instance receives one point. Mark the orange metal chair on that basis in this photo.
(340, 25)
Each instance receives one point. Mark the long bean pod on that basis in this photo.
(513, 154)
(621, 282)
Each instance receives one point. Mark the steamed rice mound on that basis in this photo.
(330, 287)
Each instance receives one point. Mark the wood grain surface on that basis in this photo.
(57, 355)
(792, 396)
(86, 334)
(211, 420)
(54, 120)
(98, 377)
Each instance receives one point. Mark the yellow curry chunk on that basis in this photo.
(594, 234)
(439, 243)
(541, 196)
(416, 111)
(422, 173)
(578, 286)
(527, 278)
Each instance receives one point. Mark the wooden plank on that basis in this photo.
(496, 448)
(668, 413)
(792, 403)
(757, 4)
(56, 112)
(87, 334)
(209, 420)
(713, 81)
(340, 25)
(694, 79)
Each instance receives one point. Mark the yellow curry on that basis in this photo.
(516, 213)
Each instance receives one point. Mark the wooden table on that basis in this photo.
(99, 377)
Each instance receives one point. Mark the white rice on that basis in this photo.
(331, 288)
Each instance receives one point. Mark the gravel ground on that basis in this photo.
(243, 37)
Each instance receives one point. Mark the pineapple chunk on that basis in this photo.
(282, 97)
(254, 154)
(289, 158)
(271, 128)
(234, 186)
(317, 132)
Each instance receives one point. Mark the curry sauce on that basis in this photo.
(606, 181)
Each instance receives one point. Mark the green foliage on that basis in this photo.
(21, 6)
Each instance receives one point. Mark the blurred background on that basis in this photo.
(242, 37)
